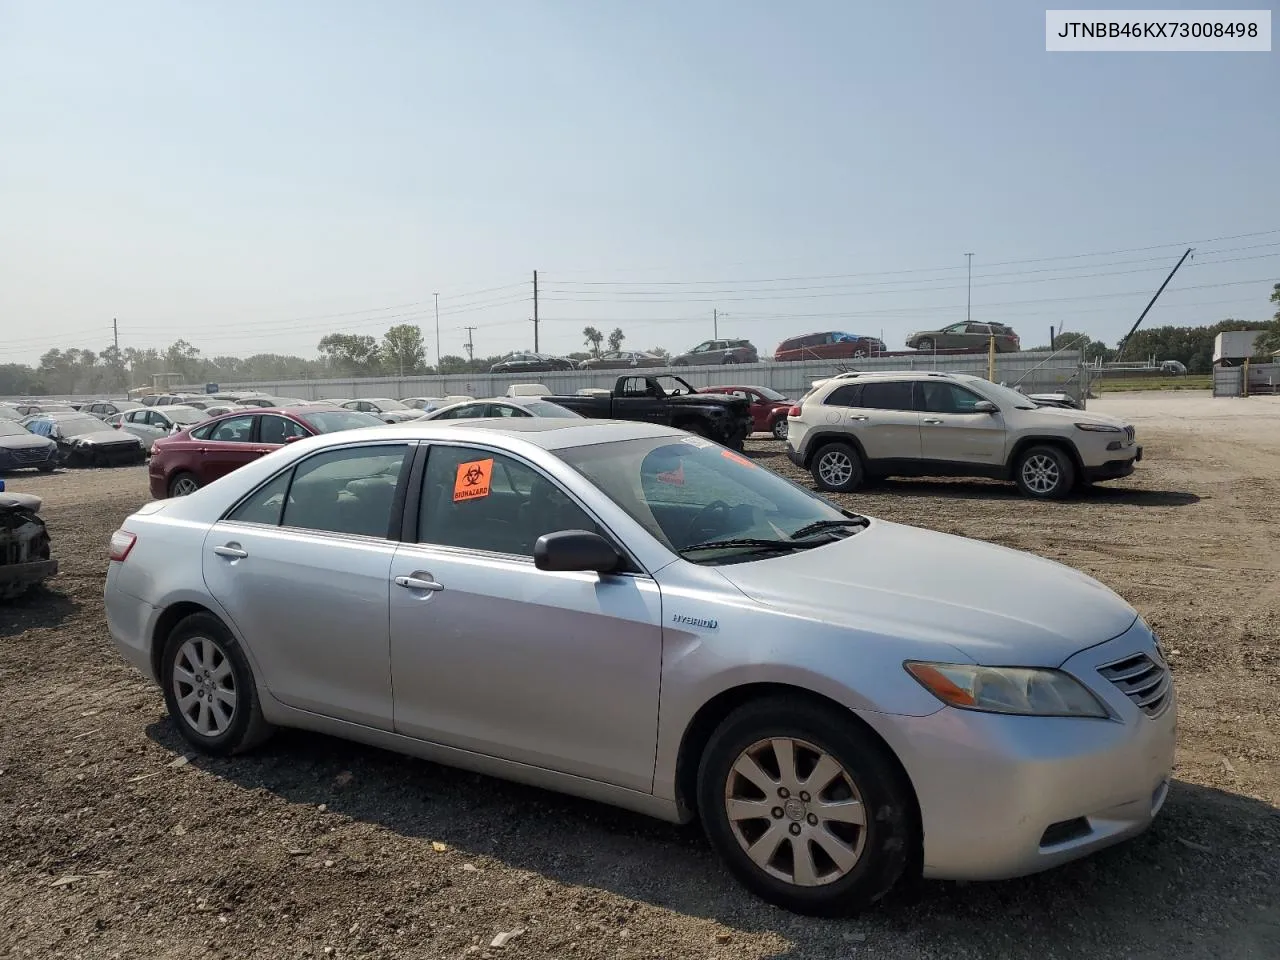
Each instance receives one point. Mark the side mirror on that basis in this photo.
(578, 550)
(985, 406)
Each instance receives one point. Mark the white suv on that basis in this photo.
(947, 425)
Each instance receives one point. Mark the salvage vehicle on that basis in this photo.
(726, 420)
(85, 441)
(102, 409)
(25, 558)
(971, 337)
(623, 359)
(501, 407)
(186, 461)
(21, 449)
(531, 363)
(150, 424)
(384, 408)
(927, 424)
(628, 613)
(769, 408)
(714, 352)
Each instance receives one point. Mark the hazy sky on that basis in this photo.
(232, 172)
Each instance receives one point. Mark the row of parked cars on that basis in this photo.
(635, 613)
(826, 345)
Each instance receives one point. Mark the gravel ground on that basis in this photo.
(115, 843)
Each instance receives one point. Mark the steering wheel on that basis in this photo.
(696, 524)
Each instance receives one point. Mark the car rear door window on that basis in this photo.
(480, 500)
(887, 395)
(844, 396)
(233, 430)
(265, 504)
(350, 490)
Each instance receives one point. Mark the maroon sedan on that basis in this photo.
(187, 460)
(768, 408)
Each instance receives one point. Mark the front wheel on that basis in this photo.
(780, 428)
(925, 345)
(1045, 473)
(806, 808)
(209, 689)
(837, 467)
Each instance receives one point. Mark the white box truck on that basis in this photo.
(1233, 348)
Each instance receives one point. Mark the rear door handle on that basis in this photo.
(231, 550)
(931, 420)
(417, 583)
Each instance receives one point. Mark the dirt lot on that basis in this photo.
(111, 845)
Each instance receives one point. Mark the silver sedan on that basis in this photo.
(633, 614)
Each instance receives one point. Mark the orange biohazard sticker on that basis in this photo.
(674, 477)
(736, 458)
(472, 481)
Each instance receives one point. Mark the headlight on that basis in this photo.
(1027, 691)
(1099, 428)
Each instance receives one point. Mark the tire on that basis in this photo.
(847, 865)
(860, 353)
(780, 429)
(213, 725)
(1045, 473)
(47, 467)
(728, 360)
(924, 344)
(183, 484)
(837, 467)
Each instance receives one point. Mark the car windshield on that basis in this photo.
(11, 428)
(185, 415)
(544, 408)
(331, 421)
(389, 404)
(79, 425)
(707, 503)
(769, 394)
(1004, 395)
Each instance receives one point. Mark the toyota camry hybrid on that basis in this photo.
(633, 614)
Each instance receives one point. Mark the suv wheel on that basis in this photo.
(1045, 473)
(805, 809)
(837, 467)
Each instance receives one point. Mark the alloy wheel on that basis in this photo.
(1040, 473)
(204, 686)
(185, 486)
(780, 429)
(795, 811)
(835, 468)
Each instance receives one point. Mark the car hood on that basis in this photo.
(24, 443)
(105, 435)
(715, 399)
(1078, 416)
(400, 416)
(995, 605)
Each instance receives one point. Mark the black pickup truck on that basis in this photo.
(671, 402)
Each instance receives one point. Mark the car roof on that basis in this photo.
(548, 433)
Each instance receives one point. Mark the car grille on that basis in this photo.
(1128, 434)
(1142, 679)
(31, 454)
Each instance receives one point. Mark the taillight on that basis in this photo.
(794, 411)
(122, 542)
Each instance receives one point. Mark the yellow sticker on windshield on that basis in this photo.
(472, 481)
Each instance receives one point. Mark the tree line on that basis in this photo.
(402, 352)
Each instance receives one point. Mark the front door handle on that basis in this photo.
(932, 421)
(417, 583)
(231, 550)
(858, 416)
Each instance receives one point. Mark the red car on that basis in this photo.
(187, 460)
(829, 345)
(768, 408)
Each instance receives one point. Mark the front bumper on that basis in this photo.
(1004, 796)
(1113, 469)
(33, 572)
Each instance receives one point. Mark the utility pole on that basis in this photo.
(437, 299)
(115, 335)
(1051, 336)
(471, 347)
(1125, 342)
(715, 324)
(535, 311)
(968, 302)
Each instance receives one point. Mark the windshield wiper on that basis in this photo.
(782, 546)
(819, 525)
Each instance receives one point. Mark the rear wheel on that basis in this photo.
(837, 467)
(805, 807)
(209, 688)
(1045, 473)
(183, 484)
